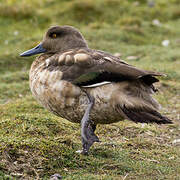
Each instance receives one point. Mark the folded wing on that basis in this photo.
(92, 67)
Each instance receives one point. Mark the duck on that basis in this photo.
(89, 86)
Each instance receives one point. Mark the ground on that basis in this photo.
(34, 144)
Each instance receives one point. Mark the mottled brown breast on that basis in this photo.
(48, 88)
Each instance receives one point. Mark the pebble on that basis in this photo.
(132, 58)
(117, 54)
(56, 177)
(156, 22)
(16, 33)
(176, 142)
(165, 43)
(151, 3)
(6, 42)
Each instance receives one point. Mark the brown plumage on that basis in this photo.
(68, 75)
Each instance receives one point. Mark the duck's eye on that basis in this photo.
(54, 35)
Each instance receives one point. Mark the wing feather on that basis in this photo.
(91, 66)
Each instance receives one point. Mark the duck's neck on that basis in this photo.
(74, 44)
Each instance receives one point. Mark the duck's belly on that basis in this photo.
(70, 102)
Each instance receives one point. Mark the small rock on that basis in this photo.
(151, 3)
(20, 95)
(156, 22)
(153, 160)
(15, 162)
(132, 58)
(56, 177)
(16, 33)
(176, 142)
(117, 54)
(65, 169)
(79, 151)
(16, 174)
(177, 41)
(6, 42)
(136, 3)
(165, 43)
(143, 125)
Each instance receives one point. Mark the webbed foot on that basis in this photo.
(90, 139)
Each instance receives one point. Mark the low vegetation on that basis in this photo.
(34, 144)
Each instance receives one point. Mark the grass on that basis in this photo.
(34, 144)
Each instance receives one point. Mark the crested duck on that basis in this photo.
(90, 86)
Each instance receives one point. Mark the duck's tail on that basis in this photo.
(145, 116)
(137, 104)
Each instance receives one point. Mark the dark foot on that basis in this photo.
(90, 139)
(88, 128)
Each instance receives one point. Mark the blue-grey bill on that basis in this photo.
(36, 50)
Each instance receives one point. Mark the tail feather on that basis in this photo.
(145, 116)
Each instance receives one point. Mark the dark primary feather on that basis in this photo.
(145, 116)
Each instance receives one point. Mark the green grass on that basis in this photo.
(36, 144)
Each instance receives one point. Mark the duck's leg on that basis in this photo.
(88, 128)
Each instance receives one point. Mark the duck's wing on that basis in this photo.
(86, 67)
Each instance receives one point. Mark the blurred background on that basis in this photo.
(145, 33)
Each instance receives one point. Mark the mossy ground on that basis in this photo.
(36, 144)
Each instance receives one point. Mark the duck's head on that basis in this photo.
(58, 39)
